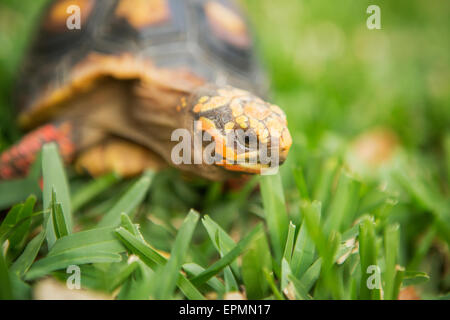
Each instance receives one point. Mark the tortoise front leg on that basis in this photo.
(16, 161)
(71, 137)
(120, 156)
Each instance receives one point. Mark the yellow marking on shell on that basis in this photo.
(142, 13)
(227, 24)
(59, 13)
(242, 121)
(214, 103)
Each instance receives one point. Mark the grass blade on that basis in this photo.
(18, 238)
(57, 214)
(55, 179)
(93, 189)
(285, 273)
(300, 289)
(368, 258)
(18, 190)
(343, 205)
(303, 253)
(311, 275)
(5, 280)
(447, 155)
(153, 259)
(326, 247)
(275, 212)
(15, 191)
(166, 282)
(254, 261)
(413, 278)
(223, 244)
(193, 269)
(301, 183)
(398, 282)
(271, 281)
(127, 203)
(26, 259)
(289, 243)
(95, 240)
(391, 247)
(121, 276)
(227, 259)
(10, 220)
(60, 261)
(322, 187)
(138, 286)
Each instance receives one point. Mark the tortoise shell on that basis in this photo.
(206, 40)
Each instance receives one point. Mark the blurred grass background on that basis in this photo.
(336, 80)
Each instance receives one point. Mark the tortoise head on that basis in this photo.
(249, 135)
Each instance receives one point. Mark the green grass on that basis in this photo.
(310, 232)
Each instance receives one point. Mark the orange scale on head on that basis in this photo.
(208, 126)
(261, 130)
(286, 140)
(236, 108)
(257, 111)
(275, 127)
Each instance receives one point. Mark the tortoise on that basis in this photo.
(113, 87)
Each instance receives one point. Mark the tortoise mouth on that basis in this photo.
(235, 154)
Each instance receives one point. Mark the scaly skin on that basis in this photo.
(16, 161)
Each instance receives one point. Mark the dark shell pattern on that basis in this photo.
(210, 38)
